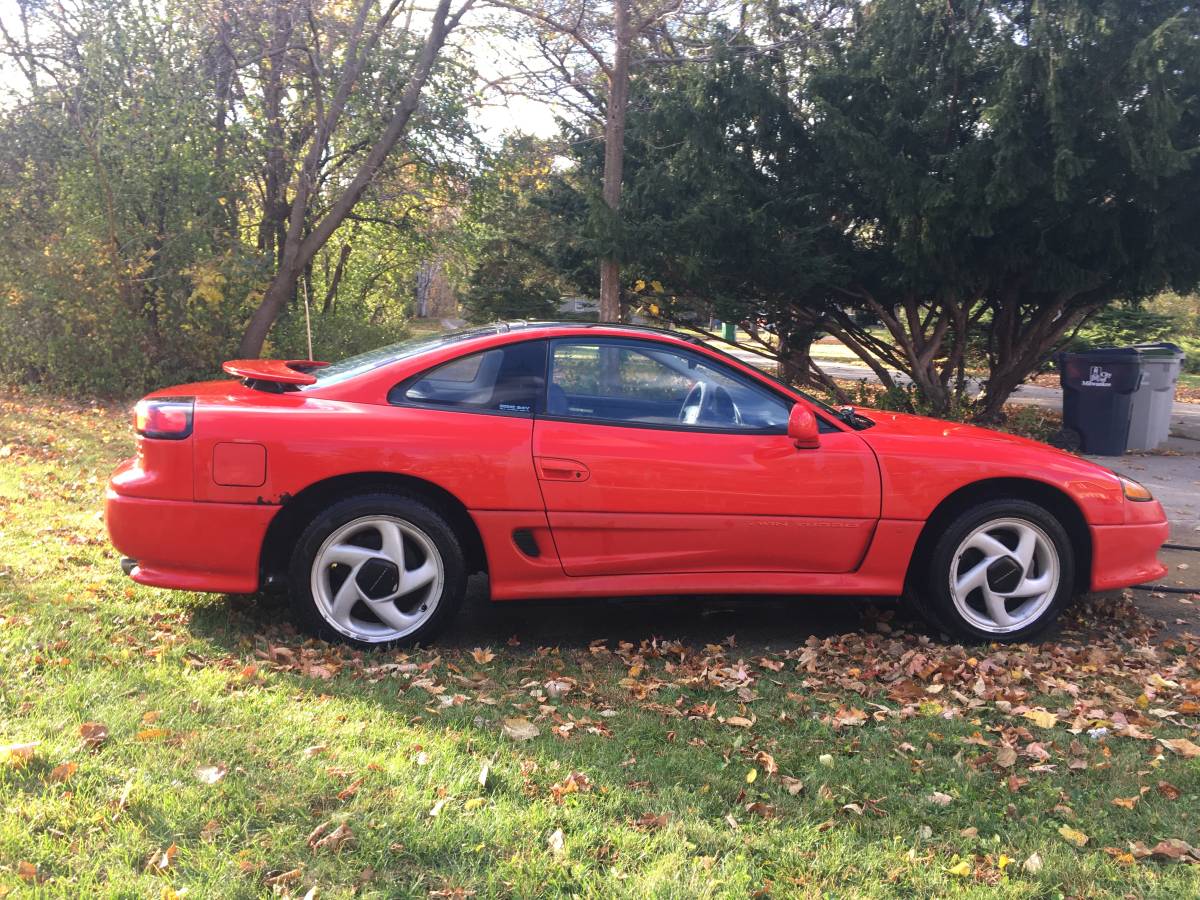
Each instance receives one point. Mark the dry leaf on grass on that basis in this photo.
(482, 656)
(93, 733)
(1182, 746)
(1041, 718)
(319, 839)
(16, 755)
(517, 729)
(1073, 835)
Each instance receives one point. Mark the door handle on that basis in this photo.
(550, 468)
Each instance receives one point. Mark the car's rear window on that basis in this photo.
(352, 366)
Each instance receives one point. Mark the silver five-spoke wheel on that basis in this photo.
(1004, 575)
(377, 578)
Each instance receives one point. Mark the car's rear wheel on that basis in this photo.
(1001, 571)
(378, 570)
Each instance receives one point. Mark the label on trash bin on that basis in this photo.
(1098, 377)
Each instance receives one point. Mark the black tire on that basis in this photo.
(931, 594)
(417, 515)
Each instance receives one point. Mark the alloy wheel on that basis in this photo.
(377, 578)
(1004, 575)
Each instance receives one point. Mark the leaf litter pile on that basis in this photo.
(184, 745)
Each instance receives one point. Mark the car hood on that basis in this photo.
(922, 426)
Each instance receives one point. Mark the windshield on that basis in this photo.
(353, 366)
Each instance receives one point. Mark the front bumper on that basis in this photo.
(186, 545)
(1125, 555)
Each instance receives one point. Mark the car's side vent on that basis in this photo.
(526, 542)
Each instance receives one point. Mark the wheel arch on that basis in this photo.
(295, 514)
(1052, 499)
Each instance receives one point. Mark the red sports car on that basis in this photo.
(597, 461)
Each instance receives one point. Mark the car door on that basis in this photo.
(641, 474)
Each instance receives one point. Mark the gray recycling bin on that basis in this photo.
(1150, 418)
(1119, 398)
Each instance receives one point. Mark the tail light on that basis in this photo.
(167, 418)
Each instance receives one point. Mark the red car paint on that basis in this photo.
(616, 510)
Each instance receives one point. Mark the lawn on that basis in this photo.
(169, 744)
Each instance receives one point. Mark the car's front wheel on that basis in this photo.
(1001, 571)
(377, 570)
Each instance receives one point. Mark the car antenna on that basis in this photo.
(307, 318)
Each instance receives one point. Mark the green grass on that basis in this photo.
(669, 808)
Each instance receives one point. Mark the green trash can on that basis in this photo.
(730, 332)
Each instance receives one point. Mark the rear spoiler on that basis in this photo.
(273, 374)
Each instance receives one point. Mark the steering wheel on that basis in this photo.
(709, 404)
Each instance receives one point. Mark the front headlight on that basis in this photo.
(1135, 491)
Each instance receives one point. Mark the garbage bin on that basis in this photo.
(1119, 398)
(1098, 388)
(1150, 418)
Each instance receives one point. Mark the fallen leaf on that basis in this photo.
(1041, 718)
(334, 840)
(351, 789)
(437, 808)
(1169, 790)
(762, 810)
(286, 878)
(27, 871)
(1033, 864)
(161, 860)
(16, 755)
(152, 734)
(93, 733)
(962, 870)
(739, 721)
(519, 729)
(1072, 835)
(314, 750)
(555, 842)
(474, 803)
(1126, 802)
(751, 776)
(1181, 746)
(63, 772)
(1175, 850)
(651, 820)
(937, 798)
(1006, 757)
(211, 774)
(482, 656)
(844, 718)
(794, 785)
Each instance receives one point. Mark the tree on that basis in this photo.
(726, 212)
(1006, 166)
(309, 228)
(607, 39)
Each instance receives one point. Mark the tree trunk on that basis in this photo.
(300, 247)
(614, 154)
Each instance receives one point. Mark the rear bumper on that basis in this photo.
(189, 546)
(1124, 555)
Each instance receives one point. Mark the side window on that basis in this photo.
(654, 384)
(504, 379)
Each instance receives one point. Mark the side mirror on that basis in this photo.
(802, 428)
